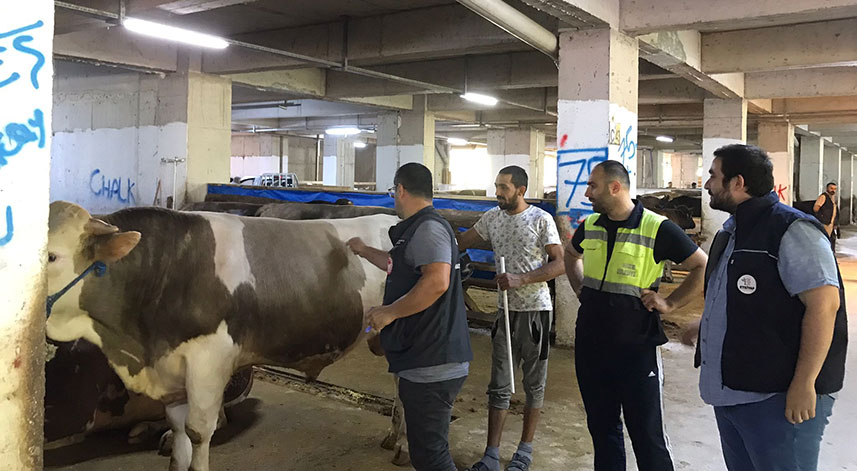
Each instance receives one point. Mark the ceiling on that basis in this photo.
(689, 52)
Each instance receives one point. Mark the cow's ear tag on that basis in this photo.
(117, 246)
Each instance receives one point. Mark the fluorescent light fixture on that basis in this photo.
(172, 33)
(359, 144)
(479, 98)
(456, 141)
(342, 131)
(664, 139)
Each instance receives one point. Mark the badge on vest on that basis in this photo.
(389, 265)
(747, 284)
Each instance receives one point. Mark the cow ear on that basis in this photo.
(117, 246)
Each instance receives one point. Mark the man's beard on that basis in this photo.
(598, 207)
(506, 205)
(722, 201)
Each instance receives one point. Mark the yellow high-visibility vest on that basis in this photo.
(632, 266)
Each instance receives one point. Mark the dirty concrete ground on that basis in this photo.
(278, 428)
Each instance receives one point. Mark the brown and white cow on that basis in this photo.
(189, 298)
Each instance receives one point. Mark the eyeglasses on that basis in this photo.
(392, 191)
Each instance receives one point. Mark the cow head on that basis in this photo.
(75, 241)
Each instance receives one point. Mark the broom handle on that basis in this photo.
(508, 330)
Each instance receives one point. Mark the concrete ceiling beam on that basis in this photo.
(803, 45)
(680, 52)
(646, 16)
(798, 83)
(675, 90)
(478, 73)
(423, 34)
(117, 46)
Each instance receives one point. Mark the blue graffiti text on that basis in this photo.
(112, 188)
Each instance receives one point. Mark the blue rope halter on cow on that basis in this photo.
(100, 270)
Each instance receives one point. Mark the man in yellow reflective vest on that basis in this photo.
(614, 263)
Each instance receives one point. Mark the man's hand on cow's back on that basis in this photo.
(356, 245)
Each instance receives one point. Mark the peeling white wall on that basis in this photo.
(26, 47)
(111, 136)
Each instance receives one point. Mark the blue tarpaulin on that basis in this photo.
(359, 199)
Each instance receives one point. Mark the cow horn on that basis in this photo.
(98, 227)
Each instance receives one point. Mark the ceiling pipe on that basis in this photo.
(517, 24)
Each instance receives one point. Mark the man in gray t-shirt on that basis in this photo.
(527, 238)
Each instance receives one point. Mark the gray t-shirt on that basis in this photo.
(431, 243)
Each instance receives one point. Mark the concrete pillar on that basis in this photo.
(25, 121)
(810, 174)
(777, 139)
(830, 168)
(724, 122)
(658, 163)
(403, 137)
(522, 147)
(302, 152)
(598, 74)
(338, 161)
(209, 122)
(846, 188)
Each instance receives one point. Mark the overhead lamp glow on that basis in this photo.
(456, 141)
(664, 139)
(479, 98)
(172, 33)
(343, 131)
(359, 144)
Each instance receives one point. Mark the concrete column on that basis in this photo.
(724, 122)
(522, 147)
(338, 161)
(403, 137)
(209, 122)
(25, 121)
(810, 174)
(598, 74)
(777, 139)
(658, 161)
(830, 168)
(302, 152)
(846, 188)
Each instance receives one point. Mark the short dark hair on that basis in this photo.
(416, 179)
(519, 175)
(830, 183)
(615, 172)
(750, 162)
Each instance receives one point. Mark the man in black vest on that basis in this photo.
(827, 212)
(773, 333)
(423, 322)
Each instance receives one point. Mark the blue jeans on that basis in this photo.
(757, 436)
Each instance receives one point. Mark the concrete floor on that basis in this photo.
(281, 429)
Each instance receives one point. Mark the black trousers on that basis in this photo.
(626, 380)
(428, 410)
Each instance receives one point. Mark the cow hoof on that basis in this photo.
(165, 445)
(401, 457)
(389, 442)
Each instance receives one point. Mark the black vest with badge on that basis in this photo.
(764, 322)
(437, 335)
